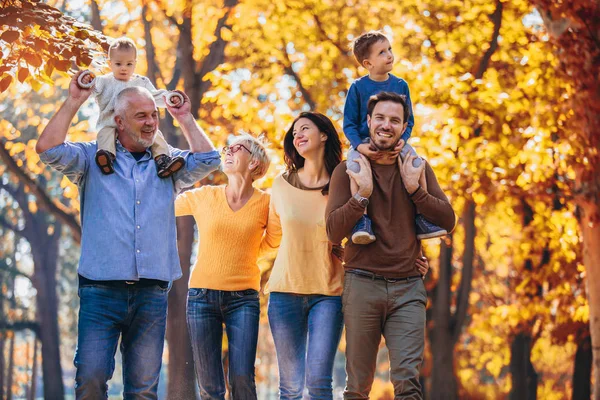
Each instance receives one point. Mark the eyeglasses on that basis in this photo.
(234, 149)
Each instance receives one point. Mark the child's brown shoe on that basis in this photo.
(167, 166)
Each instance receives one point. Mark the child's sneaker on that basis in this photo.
(104, 160)
(427, 230)
(362, 233)
(167, 166)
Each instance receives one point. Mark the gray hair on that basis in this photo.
(122, 100)
(258, 151)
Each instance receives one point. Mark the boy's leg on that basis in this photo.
(362, 232)
(425, 229)
(165, 164)
(106, 153)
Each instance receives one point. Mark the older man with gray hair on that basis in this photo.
(128, 245)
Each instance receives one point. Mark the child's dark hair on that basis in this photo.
(333, 147)
(122, 43)
(361, 46)
(388, 96)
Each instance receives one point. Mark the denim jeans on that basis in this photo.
(307, 331)
(207, 311)
(139, 317)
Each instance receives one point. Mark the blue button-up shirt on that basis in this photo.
(128, 217)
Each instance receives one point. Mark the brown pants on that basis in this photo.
(395, 310)
(106, 141)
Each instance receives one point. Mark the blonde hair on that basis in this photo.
(122, 43)
(258, 151)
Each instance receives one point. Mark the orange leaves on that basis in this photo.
(38, 39)
(22, 74)
(9, 36)
(5, 83)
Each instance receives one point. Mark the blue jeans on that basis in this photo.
(307, 331)
(207, 311)
(139, 317)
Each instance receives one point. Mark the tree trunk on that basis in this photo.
(181, 363)
(2, 365)
(443, 380)
(96, 20)
(34, 368)
(582, 371)
(590, 229)
(11, 367)
(524, 377)
(45, 256)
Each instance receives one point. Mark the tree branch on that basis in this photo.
(496, 18)
(20, 326)
(5, 224)
(59, 211)
(287, 66)
(14, 271)
(171, 18)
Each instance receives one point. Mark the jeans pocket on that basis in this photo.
(197, 294)
(244, 293)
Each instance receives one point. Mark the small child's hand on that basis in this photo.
(394, 153)
(369, 151)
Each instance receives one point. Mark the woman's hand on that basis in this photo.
(422, 265)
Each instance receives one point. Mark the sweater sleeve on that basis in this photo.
(183, 202)
(433, 203)
(343, 211)
(411, 119)
(352, 116)
(272, 236)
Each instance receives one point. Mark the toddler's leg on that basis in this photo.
(106, 153)
(165, 164)
(160, 146)
(106, 139)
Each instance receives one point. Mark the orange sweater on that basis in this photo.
(229, 242)
(304, 263)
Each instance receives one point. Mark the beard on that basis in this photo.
(382, 147)
(138, 139)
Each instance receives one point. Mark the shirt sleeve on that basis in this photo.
(352, 116)
(433, 203)
(197, 166)
(411, 118)
(343, 211)
(69, 158)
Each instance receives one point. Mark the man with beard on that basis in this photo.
(383, 291)
(128, 243)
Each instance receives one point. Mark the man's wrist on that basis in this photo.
(74, 104)
(413, 190)
(362, 200)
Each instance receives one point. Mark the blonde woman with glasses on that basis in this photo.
(224, 283)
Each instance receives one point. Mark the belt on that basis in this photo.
(142, 283)
(374, 276)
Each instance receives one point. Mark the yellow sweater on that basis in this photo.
(229, 242)
(304, 263)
